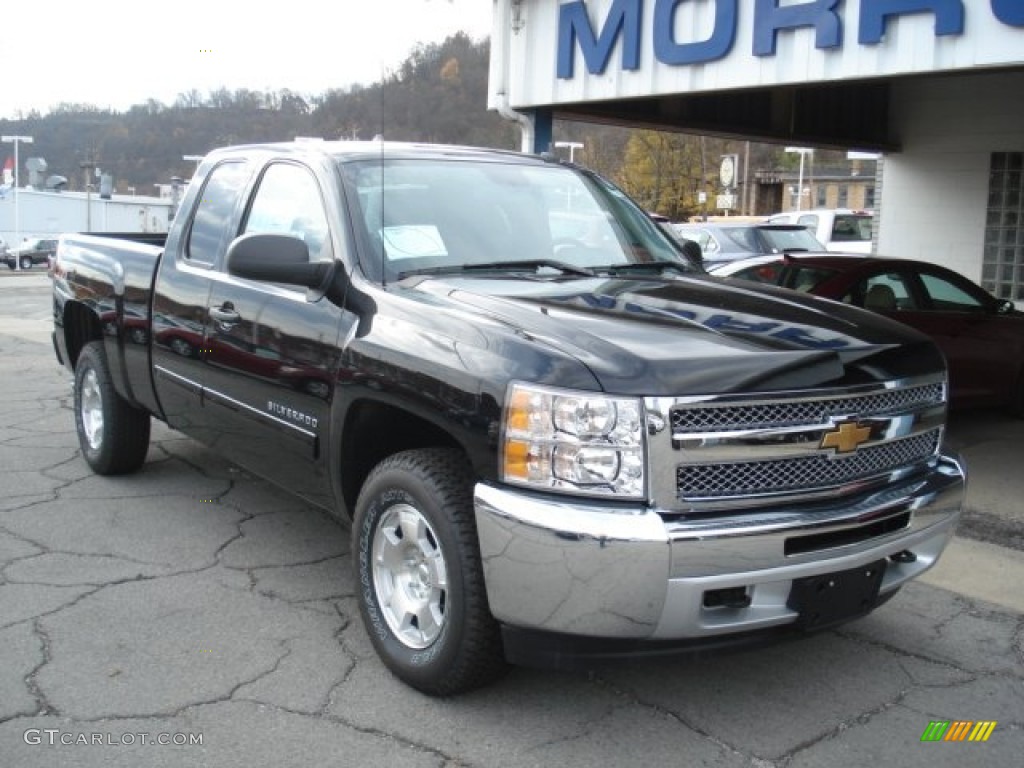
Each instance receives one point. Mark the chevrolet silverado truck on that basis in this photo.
(557, 440)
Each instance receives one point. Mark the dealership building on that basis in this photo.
(936, 87)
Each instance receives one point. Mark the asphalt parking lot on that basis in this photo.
(193, 602)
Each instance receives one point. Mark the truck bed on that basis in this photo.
(108, 278)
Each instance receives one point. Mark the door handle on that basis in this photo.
(225, 314)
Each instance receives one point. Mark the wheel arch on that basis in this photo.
(81, 325)
(374, 430)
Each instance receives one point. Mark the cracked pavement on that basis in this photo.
(192, 598)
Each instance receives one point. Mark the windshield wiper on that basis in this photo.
(526, 265)
(645, 266)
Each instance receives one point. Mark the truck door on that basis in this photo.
(181, 290)
(269, 354)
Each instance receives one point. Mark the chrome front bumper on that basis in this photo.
(583, 568)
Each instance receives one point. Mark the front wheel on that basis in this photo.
(420, 582)
(113, 434)
(1017, 399)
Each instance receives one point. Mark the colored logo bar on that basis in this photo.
(959, 730)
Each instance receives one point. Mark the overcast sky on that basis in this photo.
(116, 53)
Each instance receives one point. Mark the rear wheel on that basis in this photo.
(26, 262)
(113, 434)
(420, 582)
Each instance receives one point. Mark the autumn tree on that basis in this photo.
(663, 172)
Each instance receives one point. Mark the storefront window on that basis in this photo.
(1003, 264)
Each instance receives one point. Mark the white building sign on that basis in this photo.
(603, 49)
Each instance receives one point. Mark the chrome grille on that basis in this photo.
(696, 481)
(785, 413)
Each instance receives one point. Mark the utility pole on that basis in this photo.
(16, 140)
(89, 166)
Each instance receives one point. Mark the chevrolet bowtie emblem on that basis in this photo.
(846, 437)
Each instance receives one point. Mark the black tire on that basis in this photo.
(26, 262)
(181, 347)
(113, 434)
(1017, 398)
(11, 264)
(454, 646)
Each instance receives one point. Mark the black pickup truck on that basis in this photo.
(557, 438)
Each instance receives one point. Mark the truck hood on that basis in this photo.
(696, 335)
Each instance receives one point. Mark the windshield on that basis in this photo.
(424, 215)
(775, 239)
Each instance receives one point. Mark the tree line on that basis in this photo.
(438, 94)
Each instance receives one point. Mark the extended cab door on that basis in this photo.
(209, 215)
(270, 355)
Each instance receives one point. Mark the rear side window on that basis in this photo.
(810, 221)
(806, 278)
(947, 296)
(851, 228)
(700, 236)
(214, 211)
(770, 274)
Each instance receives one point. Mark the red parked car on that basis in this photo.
(981, 336)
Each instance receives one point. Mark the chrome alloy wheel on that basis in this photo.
(410, 577)
(92, 410)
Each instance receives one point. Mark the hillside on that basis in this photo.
(438, 94)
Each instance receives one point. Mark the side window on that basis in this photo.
(288, 202)
(810, 221)
(699, 236)
(805, 279)
(214, 208)
(705, 242)
(887, 292)
(770, 274)
(949, 297)
(850, 228)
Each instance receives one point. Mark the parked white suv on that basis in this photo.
(840, 229)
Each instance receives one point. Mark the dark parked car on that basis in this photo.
(981, 336)
(36, 250)
(723, 242)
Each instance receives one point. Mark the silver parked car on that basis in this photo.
(722, 242)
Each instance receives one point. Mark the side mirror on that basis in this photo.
(693, 251)
(274, 258)
(1005, 307)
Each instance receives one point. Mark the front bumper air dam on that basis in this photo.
(581, 568)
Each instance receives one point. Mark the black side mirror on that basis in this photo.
(1005, 307)
(276, 258)
(692, 250)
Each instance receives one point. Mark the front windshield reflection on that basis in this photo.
(426, 214)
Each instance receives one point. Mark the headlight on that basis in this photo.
(582, 442)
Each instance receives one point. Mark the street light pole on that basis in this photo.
(803, 152)
(16, 140)
(572, 146)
